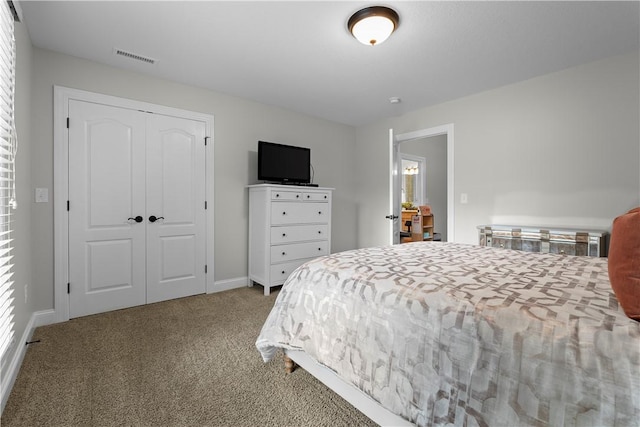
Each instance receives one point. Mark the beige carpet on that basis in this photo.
(186, 362)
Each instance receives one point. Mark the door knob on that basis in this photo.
(153, 218)
(136, 219)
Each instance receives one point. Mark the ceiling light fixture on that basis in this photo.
(373, 25)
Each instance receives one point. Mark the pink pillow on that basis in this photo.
(624, 262)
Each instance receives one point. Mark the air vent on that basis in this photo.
(134, 56)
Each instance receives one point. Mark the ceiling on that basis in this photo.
(300, 56)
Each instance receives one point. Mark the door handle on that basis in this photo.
(153, 218)
(391, 216)
(136, 219)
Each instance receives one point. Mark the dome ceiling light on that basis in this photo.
(373, 25)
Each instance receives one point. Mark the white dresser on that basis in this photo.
(288, 225)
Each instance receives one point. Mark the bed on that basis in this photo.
(431, 333)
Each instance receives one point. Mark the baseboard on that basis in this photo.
(225, 285)
(44, 317)
(39, 318)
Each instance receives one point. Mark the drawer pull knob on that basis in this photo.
(284, 213)
(284, 253)
(308, 196)
(319, 212)
(277, 195)
(282, 271)
(284, 234)
(325, 196)
(319, 231)
(297, 195)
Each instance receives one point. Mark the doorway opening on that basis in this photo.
(439, 142)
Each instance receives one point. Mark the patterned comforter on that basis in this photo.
(445, 333)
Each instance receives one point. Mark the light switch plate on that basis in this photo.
(42, 195)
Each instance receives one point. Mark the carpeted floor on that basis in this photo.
(186, 362)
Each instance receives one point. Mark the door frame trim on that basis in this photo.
(61, 97)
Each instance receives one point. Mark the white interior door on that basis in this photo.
(106, 188)
(137, 222)
(176, 251)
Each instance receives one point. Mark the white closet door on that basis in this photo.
(106, 187)
(176, 246)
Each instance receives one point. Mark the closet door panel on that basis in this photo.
(176, 248)
(106, 188)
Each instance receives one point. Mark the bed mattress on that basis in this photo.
(454, 334)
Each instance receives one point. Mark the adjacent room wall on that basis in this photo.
(239, 124)
(558, 150)
(434, 150)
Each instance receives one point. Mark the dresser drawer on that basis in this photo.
(283, 253)
(299, 233)
(287, 195)
(280, 272)
(315, 197)
(299, 213)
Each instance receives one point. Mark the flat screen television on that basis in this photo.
(284, 164)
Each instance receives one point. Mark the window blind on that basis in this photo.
(7, 172)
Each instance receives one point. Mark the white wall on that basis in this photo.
(239, 124)
(558, 150)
